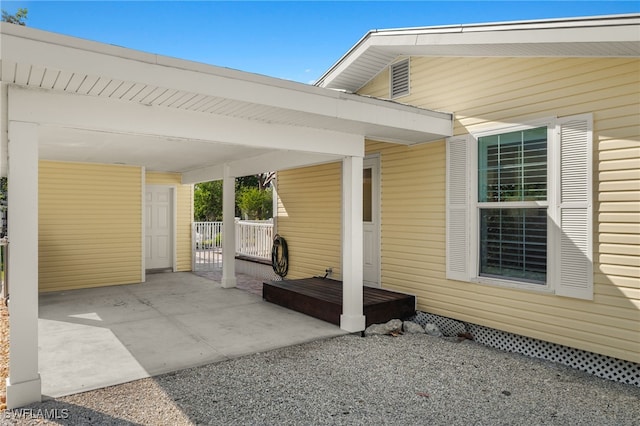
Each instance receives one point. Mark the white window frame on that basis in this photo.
(569, 207)
(475, 206)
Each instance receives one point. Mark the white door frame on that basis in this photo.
(373, 162)
(173, 189)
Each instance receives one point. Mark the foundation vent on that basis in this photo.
(399, 76)
(599, 365)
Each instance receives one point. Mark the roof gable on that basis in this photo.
(608, 36)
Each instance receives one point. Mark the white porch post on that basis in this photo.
(4, 123)
(352, 318)
(23, 383)
(228, 229)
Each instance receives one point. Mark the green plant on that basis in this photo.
(255, 204)
(18, 18)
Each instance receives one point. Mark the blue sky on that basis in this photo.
(293, 40)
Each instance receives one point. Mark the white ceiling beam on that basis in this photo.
(205, 174)
(92, 113)
(272, 161)
(279, 160)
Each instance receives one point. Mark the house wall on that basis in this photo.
(184, 214)
(484, 91)
(481, 91)
(309, 206)
(89, 225)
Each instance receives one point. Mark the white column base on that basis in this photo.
(24, 393)
(352, 323)
(229, 282)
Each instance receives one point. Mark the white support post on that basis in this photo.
(4, 124)
(143, 224)
(275, 199)
(23, 383)
(228, 229)
(352, 318)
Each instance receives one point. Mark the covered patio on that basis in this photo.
(98, 337)
(72, 100)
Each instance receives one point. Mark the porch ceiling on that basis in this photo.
(182, 92)
(153, 152)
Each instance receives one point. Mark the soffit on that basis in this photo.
(43, 60)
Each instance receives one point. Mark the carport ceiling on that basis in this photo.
(155, 153)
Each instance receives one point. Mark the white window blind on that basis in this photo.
(512, 177)
(513, 166)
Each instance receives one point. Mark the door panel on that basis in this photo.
(371, 221)
(368, 249)
(158, 230)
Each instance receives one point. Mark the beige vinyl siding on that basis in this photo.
(89, 230)
(309, 218)
(184, 212)
(487, 92)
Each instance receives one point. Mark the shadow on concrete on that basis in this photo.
(92, 338)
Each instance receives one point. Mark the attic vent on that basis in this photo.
(399, 74)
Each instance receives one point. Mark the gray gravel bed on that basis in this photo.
(350, 380)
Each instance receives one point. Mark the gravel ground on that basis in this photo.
(349, 380)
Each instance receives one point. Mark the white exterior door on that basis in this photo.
(158, 227)
(371, 221)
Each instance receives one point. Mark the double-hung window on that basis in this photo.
(512, 205)
(519, 207)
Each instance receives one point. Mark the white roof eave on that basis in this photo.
(27, 49)
(606, 36)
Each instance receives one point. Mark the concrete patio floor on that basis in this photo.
(94, 338)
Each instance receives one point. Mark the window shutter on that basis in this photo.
(574, 245)
(457, 227)
(399, 75)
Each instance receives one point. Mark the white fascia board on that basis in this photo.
(538, 24)
(590, 30)
(272, 161)
(583, 22)
(92, 113)
(402, 117)
(95, 59)
(431, 42)
(527, 36)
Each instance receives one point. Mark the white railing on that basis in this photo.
(253, 239)
(206, 238)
